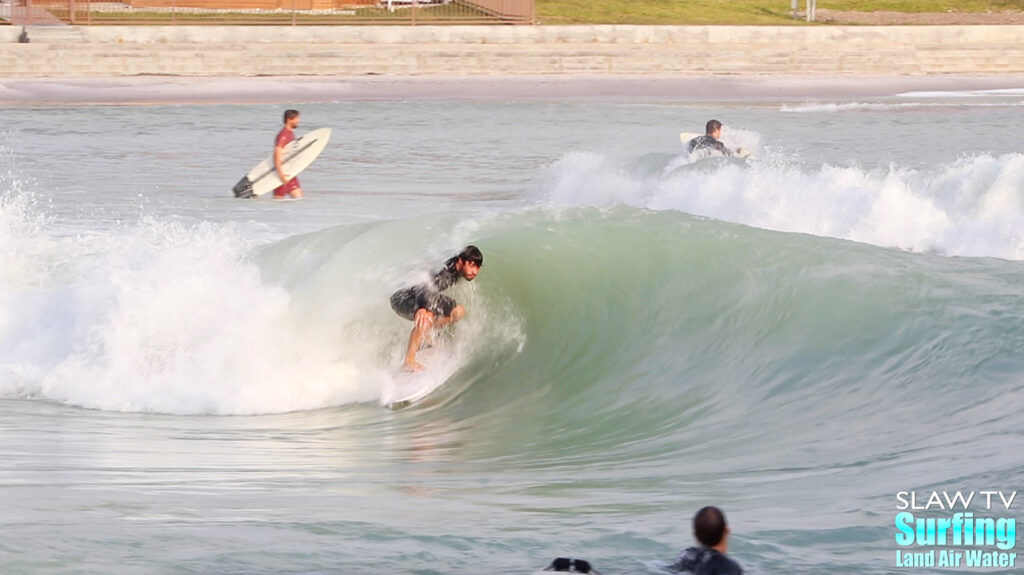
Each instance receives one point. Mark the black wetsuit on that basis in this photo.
(428, 296)
(704, 561)
(708, 144)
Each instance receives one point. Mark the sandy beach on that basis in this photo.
(165, 90)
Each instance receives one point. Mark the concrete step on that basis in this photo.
(55, 34)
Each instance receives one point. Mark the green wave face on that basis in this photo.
(625, 334)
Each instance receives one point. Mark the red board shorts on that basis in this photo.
(283, 190)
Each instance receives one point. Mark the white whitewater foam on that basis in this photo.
(160, 316)
(167, 318)
(1000, 92)
(974, 207)
(831, 107)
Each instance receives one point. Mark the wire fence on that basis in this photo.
(265, 12)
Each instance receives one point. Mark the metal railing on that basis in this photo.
(266, 12)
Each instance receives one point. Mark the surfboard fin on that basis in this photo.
(243, 189)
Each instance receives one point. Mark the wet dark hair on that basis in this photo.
(289, 114)
(472, 255)
(711, 126)
(709, 526)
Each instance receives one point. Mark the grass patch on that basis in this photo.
(915, 6)
(693, 12)
(734, 12)
(662, 12)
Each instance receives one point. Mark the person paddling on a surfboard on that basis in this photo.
(428, 308)
(291, 186)
(709, 143)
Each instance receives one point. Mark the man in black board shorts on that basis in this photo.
(711, 531)
(428, 308)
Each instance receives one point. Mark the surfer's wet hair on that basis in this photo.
(709, 526)
(289, 114)
(712, 126)
(471, 254)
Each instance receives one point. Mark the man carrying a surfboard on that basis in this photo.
(709, 142)
(428, 308)
(291, 186)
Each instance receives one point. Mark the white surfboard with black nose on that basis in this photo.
(298, 155)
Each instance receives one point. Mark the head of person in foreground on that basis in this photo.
(710, 528)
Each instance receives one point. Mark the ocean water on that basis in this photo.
(193, 384)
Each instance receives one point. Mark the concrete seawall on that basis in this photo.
(100, 51)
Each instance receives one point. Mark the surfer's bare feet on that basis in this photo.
(412, 366)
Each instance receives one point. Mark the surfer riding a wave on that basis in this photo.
(428, 308)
